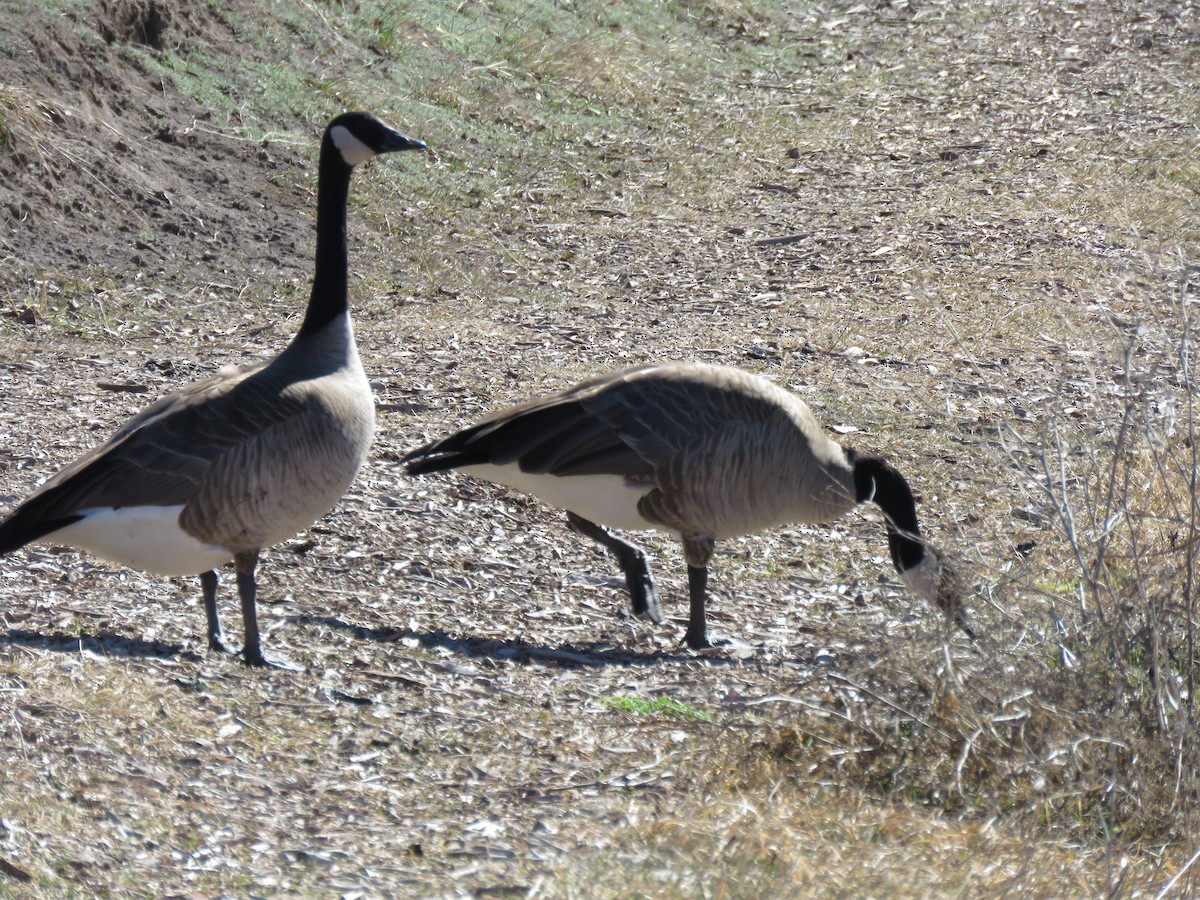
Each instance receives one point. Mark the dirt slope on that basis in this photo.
(110, 175)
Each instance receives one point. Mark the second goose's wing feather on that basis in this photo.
(558, 437)
(632, 423)
(623, 424)
(555, 435)
(662, 412)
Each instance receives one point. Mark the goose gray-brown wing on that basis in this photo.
(662, 412)
(161, 456)
(630, 423)
(554, 435)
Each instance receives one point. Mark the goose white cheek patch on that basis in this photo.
(922, 579)
(353, 151)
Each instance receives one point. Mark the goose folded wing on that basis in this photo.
(555, 437)
(161, 457)
(662, 413)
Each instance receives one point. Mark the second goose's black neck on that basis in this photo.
(876, 480)
(330, 291)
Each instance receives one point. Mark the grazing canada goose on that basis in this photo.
(702, 452)
(233, 464)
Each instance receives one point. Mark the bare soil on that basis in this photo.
(122, 156)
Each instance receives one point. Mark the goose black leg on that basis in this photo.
(697, 630)
(639, 581)
(697, 550)
(208, 587)
(252, 654)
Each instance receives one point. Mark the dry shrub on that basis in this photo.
(865, 799)
(1076, 713)
(1126, 505)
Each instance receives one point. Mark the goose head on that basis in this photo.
(359, 136)
(938, 580)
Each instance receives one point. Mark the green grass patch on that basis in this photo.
(658, 706)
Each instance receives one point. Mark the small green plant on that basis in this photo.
(660, 706)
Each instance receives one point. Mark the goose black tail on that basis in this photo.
(18, 530)
(418, 464)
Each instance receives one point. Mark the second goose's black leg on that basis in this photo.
(634, 564)
(208, 587)
(697, 630)
(697, 550)
(252, 654)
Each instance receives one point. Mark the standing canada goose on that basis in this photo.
(702, 452)
(233, 464)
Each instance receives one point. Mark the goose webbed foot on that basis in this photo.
(702, 640)
(254, 658)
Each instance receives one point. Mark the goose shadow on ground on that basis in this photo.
(111, 644)
(104, 643)
(515, 649)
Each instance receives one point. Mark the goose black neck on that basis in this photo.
(876, 480)
(330, 291)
